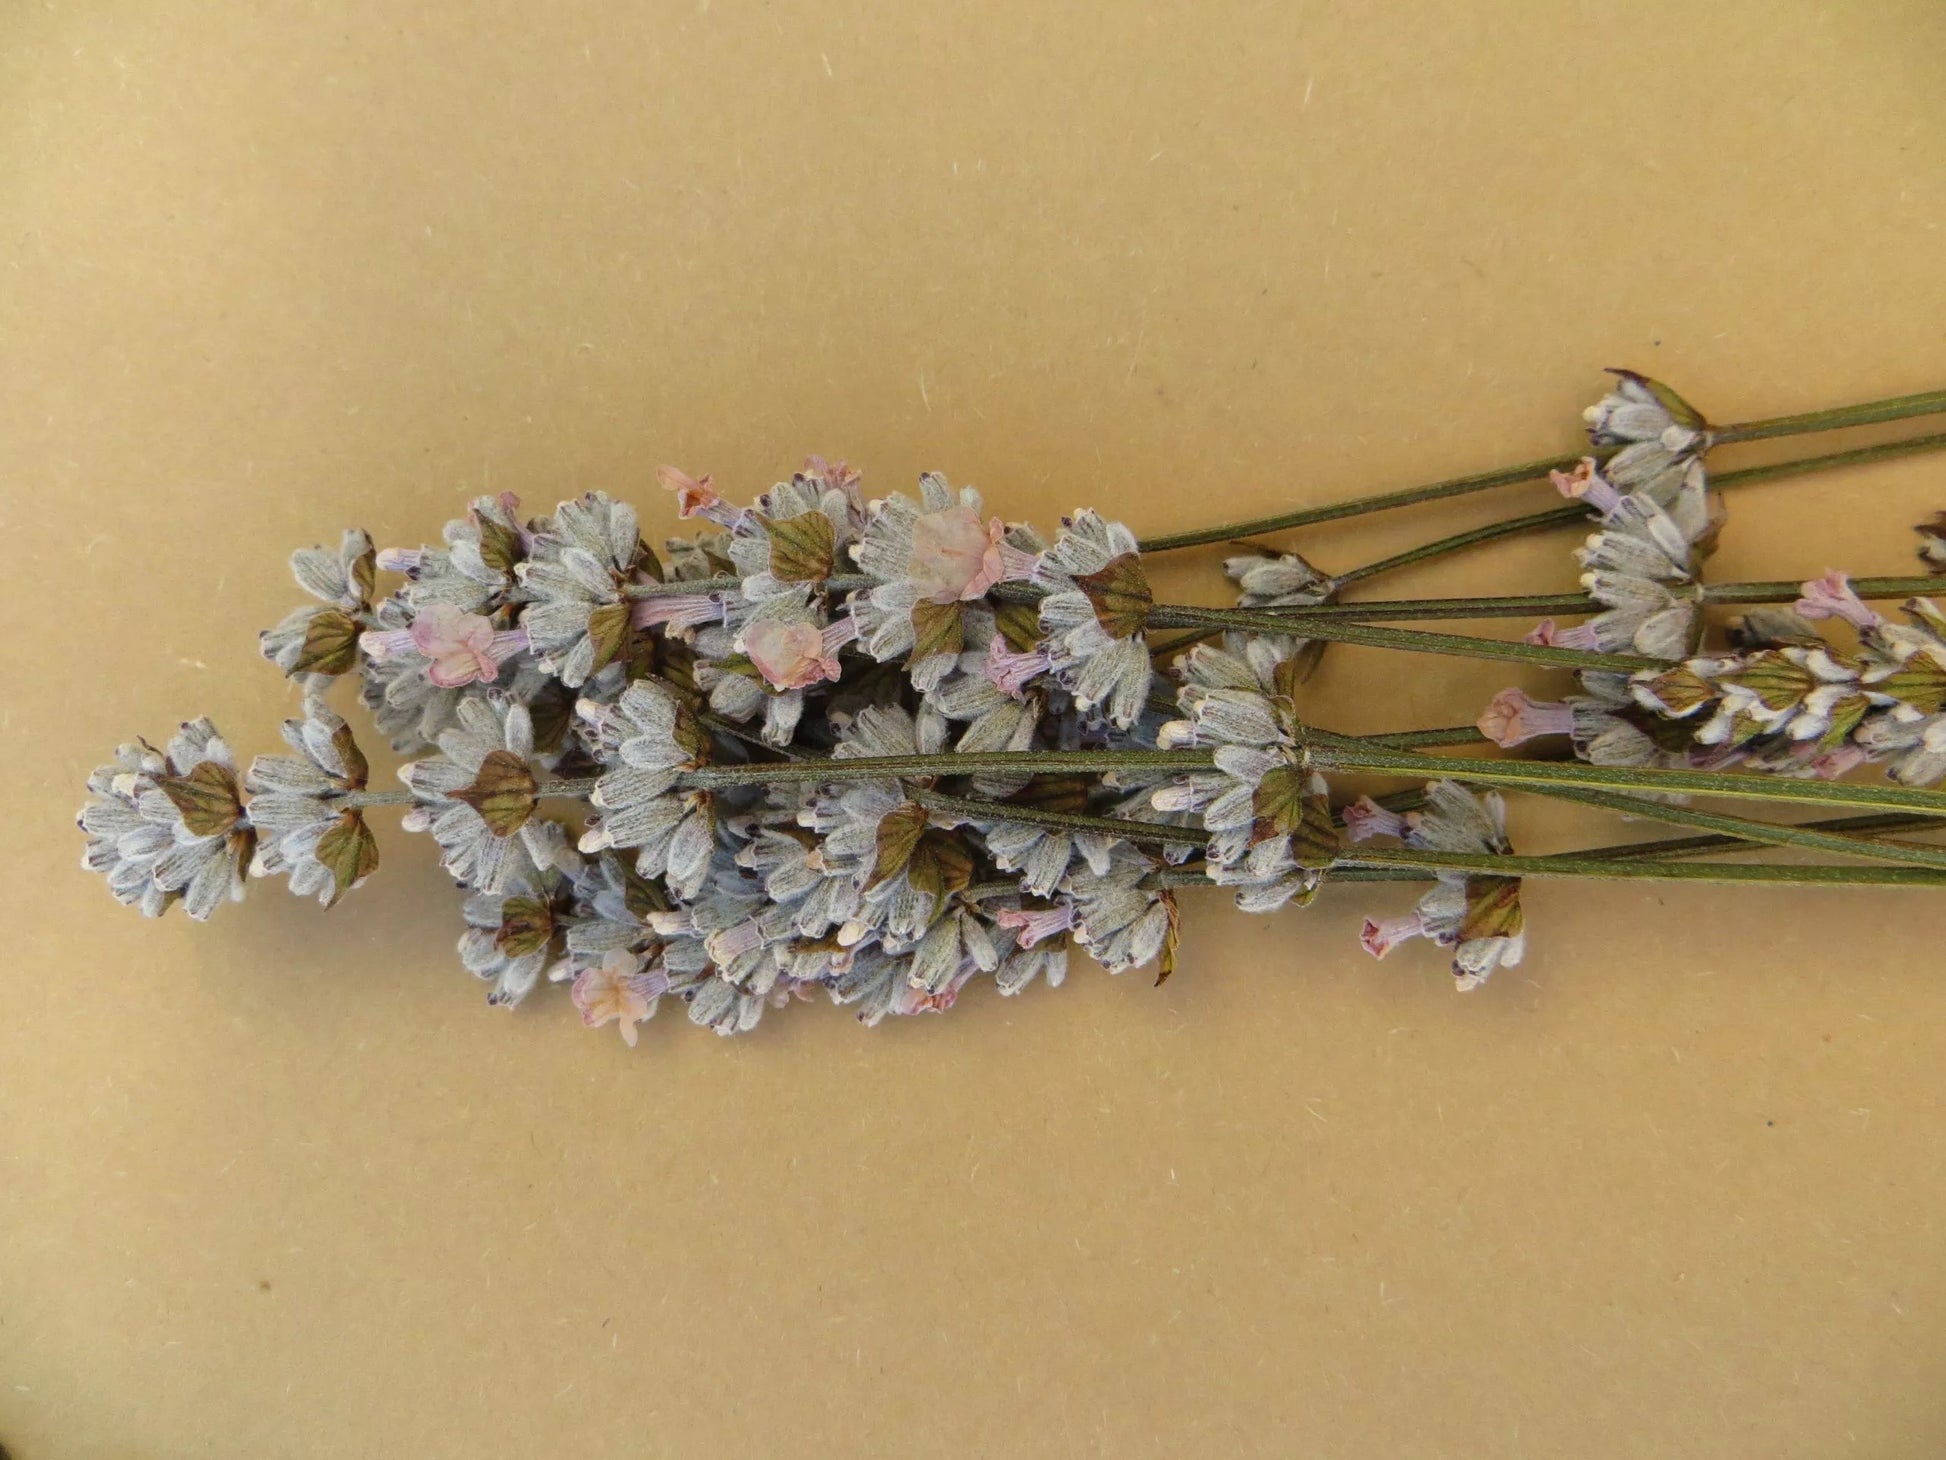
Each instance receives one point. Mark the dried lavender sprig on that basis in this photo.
(1575, 514)
(803, 767)
(1867, 413)
(1735, 829)
(1350, 759)
(1491, 532)
(1169, 615)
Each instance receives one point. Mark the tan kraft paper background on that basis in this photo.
(283, 1186)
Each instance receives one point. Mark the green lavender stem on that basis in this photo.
(1775, 873)
(975, 809)
(1505, 476)
(1734, 829)
(1524, 605)
(1867, 413)
(1897, 408)
(1423, 739)
(1761, 833)
(1737, 828)
(1702, 846)
(1575, 775)
(1416, 641)
(952, 763)
(1357, 758)
(1575, 512)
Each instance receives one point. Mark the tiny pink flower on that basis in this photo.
(1585, 484)
(401, 560)
(1031, 925)
(617, 991)
(696, 498)
(794, 655)
(1010, 671)
(840, 474)
(955, 556)
(1365, 819)
(910, 1000)
(1511, 719)
(1381, 935)
(1834, 764)
(1550, 635)
(680, 614)
(462, 646)
(1831, 597)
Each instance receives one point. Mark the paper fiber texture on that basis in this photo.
(283, 1186)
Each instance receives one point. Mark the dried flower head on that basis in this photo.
(1277, 580)
(1657, 431)
(1478, 917)
(618, 991)
(304, 830)
(476, 570)
(578, 619)
(1093, 615)
(317, 642)
(170, 826)
(927, 560)
(478, 797)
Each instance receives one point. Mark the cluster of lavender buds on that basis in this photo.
(881, 748)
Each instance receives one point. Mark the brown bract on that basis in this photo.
(504, 792)
(349, 852)
(1120, 594)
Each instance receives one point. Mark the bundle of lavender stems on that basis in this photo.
(879, 748)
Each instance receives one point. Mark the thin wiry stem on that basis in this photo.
(1575, 512)
(951, 763)
(1504, 476)
(1703, 846)
(972, 808)
(1774, 873)
(1355, 758)
(1424, 739)
(1738, 828)
(1761, 833)
(1867, 413)
(1418, 641)
(1524, 605)
(1897, 408)
(1575, 775)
